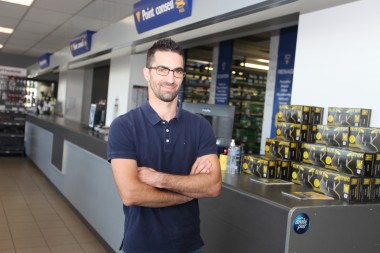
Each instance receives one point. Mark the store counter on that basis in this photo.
(73, 158)
(254, 217)
(246, 217)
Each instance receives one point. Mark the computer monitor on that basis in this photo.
(221, 118)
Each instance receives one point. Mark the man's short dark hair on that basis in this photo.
(163, 45)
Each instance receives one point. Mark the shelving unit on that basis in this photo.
(247, 94)
(197, 83)
(12, 115)
(199, 68)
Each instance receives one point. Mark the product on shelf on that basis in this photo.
(314, 154)
(292, 132)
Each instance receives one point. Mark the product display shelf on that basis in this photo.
(12, 115)
(12, 125)
(197, 83)
(247, 94)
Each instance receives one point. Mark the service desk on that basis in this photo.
(246, 217)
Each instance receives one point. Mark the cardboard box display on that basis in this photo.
(261, 166)
(336, 136)
(357, 117)
(351, 161)
(367, 138)
(292, 132)
(314, 154)
(282, 169)
(301, 114)
(282, 149)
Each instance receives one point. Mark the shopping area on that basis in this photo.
(259, 71)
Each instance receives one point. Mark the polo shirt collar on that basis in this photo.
(153, 116)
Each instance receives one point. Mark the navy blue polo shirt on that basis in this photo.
(170, 147)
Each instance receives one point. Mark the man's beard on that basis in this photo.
(162, 95)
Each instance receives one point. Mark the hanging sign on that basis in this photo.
(284, 73)
(223, 76)
(44, 60)
(152, 14)
(82, 43)
(12, 71)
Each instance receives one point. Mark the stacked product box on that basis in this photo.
(259, 165)
(293, 126)
(334, 184)
(352, 117)
(346, 146)
(294, 122)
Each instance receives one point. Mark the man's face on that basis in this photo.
(165, 88)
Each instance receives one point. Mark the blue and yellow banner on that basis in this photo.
(152, 14)
(223, 77)
(284, 72)
(44, 60)
(82, 43)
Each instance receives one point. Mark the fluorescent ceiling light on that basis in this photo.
(263, 60)
(6, 30)
(256, 66)
(1, 45)
(22, 2)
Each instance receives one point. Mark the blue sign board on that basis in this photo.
(223, 77)
(152, 14)
(284, 72)
(44, 60)
(82, 43)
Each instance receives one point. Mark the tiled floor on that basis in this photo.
(34, 218)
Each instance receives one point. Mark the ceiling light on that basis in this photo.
(6, 30)
(263, 60)
(1, 45)
(256, 66)
(22, 2)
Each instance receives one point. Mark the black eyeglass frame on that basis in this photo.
(162, 68)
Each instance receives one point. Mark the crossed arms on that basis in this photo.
(148, 188)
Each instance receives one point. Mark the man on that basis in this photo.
(163, 159)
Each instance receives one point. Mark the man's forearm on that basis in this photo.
(154, 197)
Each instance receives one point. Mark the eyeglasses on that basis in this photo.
(164, 71)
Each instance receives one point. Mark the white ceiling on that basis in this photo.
(49, 25)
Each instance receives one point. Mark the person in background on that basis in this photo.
(163, 160)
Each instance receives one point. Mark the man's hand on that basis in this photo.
(201, 166)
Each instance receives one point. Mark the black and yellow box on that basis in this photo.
(351, 161)
(297, 173)
(365, 138)
(282, 149)
(375, 188)
(261, 166)
(315, 178)
(365, 189)
(282, 169)
(300, 114)
(330, 183)
(314, 154)
(271, 146)
(343, 186)
(336, 136)
(351, 117)
(292, 132)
